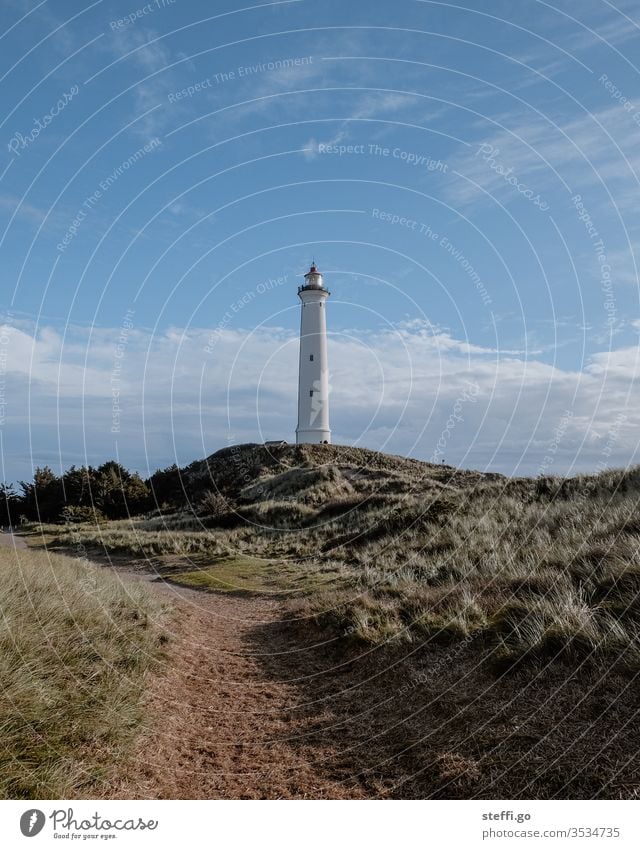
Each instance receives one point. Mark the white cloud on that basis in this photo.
(183, 395)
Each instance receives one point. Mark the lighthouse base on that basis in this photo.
(312, 436)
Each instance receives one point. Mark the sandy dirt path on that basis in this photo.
(221, 723)
(247, 707)
(12, 540)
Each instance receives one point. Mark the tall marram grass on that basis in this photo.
(134, 537)
(74, 648)
(540, 575)
(543, 569)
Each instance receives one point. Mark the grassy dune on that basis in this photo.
(74, 648)
(395, 549)
(540, 576)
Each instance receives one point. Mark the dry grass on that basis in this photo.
(540, 578)
(133, 537)
(542, 568)
(74, 648)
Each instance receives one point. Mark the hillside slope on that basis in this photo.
(542, 567)
(408, 550)
(239, 470)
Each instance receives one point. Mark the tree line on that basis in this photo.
(89, 493)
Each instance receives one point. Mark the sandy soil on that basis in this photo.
(222, 727)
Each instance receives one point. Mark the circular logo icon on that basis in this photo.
(32, 822)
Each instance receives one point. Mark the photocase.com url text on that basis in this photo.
(603, 832)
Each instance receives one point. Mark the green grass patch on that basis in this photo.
(251, 575)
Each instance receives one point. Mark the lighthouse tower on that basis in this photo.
(313, 380)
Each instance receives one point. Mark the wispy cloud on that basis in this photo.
(146, 52)
(608, 26)
(593, 149)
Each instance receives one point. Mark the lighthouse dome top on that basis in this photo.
(313, 278)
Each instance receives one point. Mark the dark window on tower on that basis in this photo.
(311, 357)
(311, 393)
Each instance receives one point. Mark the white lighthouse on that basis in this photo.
(313, 380)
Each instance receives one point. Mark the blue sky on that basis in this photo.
(465, 175)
